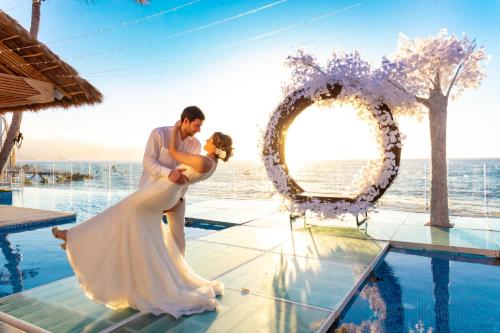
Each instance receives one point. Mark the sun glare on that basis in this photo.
(323, 134)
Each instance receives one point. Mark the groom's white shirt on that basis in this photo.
(157, 161)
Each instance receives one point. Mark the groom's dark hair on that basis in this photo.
(192, 113)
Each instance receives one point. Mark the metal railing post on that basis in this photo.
(109, 177)
(21, 175)
(485, 189)
(130, 177)
(426, 185)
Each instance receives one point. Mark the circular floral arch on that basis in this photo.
(377, 176)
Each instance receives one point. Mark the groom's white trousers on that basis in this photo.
(176, 224)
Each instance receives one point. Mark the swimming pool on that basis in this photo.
(32, 257)
(426, 291)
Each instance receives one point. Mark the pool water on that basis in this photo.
(32, 257)
(29, 259)
(426, 291)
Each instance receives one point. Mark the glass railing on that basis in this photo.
(474, 185)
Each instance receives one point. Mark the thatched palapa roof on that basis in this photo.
(33, 78)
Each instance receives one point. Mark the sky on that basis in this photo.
(227, 57)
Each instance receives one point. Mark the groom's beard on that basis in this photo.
(189, 133)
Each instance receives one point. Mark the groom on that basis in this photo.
(157, 162)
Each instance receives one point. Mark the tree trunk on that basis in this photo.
(10, 139)
(15, 125)
(438, 105)
(35, 17)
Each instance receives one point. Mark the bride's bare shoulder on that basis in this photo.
(207, 164)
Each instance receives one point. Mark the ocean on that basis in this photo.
(474, 184)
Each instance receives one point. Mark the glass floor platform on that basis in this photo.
(276, 280)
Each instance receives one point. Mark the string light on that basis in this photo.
(103, 30)
(258, 37)
(147, 42)
(124, 24)
(261, 36)
(25, 4)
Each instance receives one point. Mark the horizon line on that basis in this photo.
(251, 160)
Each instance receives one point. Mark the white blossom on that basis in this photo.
(413, 68)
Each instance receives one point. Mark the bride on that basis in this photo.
(126, 257)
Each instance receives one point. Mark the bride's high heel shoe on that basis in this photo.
(55, 230)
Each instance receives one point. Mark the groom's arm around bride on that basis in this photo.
(154, 164)
(157, 162)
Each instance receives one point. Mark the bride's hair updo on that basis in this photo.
(224, 143)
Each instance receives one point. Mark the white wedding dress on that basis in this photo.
(126, 257)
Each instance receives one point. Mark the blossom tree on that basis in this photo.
(430, 71)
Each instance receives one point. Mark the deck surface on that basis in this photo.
(17, 217)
